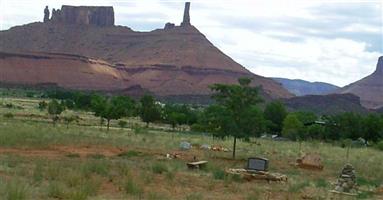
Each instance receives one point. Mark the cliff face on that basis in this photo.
(326, 104)
(61, 70)
(84, 15)
(175, 61)
(369, 89)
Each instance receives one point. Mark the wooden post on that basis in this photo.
(348, 152)
(234, 145)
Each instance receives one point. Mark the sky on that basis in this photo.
(333, 41)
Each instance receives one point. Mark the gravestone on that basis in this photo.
(205, 147)
(185, 146)
(257, 164)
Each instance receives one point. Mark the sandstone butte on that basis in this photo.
(369, 89)
(82, 48)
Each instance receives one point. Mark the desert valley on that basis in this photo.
(94, 110)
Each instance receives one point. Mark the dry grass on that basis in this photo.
(39, 161)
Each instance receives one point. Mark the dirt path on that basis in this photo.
(60, 151)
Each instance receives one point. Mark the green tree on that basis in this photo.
(372, 128)
(292, 127)
(315, 131)
(149, 110)
(178, 115)
(55, 109)
(275, 112)
(111, 108)
(235, 106)
(350, 125)
(306, 117)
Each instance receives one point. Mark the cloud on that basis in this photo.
(331, 41)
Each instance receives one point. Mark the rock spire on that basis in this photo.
(46, 14)
(186, 20)
(379, 66)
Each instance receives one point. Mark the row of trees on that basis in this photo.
(237, 112)
(117, 107)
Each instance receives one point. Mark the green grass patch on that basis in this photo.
(16, 190)
(299, 186)
(129, 154)
(96, 156)
(159, 168)
(55, 190)
(72, 155)
(132, 187)
(321, 183)
(219, 174)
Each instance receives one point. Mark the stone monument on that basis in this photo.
(347, 180)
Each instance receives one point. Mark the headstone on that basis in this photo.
(205, 147)
(258, 164)
(185, 146)
(360, 142)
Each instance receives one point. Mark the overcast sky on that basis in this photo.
(331, 41)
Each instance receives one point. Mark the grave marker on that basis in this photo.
(257, 164)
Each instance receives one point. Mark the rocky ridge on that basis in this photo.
(369, 89)
(174, 61)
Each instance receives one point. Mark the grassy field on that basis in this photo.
(83, 161)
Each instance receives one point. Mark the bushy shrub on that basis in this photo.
(9, 105)
(379, 145)
(42, 105)
(8, 115)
